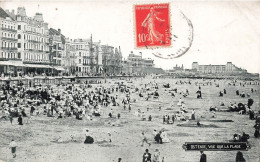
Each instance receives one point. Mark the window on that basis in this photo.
(19, 36)
(19, 55)
(80, 61)
(19, 45)
(19, 27)
(79, 54)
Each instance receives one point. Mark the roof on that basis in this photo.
(3, 14)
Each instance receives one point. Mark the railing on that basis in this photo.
(8, 48)
(13, 39)
(8, 29)
(36, 61)
(6, 59)
(34, 41)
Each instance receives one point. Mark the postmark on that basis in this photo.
(152, 25)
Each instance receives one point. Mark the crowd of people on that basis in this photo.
(82, 101)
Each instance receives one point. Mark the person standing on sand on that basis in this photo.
(129, 107)
(147, 156)
(20, 120)
(239, 157)
(203, 157)
(11, 119)
(193, 115)
(144, 139)
(156, 156)
(13, 146)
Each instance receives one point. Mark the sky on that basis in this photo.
(224, 31)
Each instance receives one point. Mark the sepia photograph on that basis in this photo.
(129, 81)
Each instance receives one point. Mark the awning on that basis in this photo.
(59, 68)
(12, 63)
(37, 66)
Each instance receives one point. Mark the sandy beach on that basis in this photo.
(36, 139)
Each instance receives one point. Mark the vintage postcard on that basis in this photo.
(129, 81)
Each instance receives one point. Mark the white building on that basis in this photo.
(10, 58)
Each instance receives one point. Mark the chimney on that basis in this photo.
(59, 31)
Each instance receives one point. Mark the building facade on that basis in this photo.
(229, 68)
(136, 64)
(57, 50)
(111, 60)
(33, 42)
(10, 59)
(28, 46)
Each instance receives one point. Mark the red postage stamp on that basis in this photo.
(152, 23)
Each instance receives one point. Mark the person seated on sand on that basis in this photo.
(193, 114)
(143, 116)
(150, 118)
(60, 139)
(180, 102)
(156, 156)
(236, 137)
(198, 123)
(23, 113)
(158, 137)
(244, 137)
(89, 139)
(220, 94)
(154, 133)
(72, 138)
(178, 115)
(251, 114)
(164, 119)
(172, 119)
(257, 128)
(111, 113)
(60, 116)
(96, 112)
(183, 108)
(78, 116)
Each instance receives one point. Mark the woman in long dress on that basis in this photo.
(165, 139)
(149, 22)
(180, 102)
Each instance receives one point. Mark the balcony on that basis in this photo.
(34, 41)
(7, 59)
(11, 39)
(7, 29)
(9, 48)
(37, 62)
